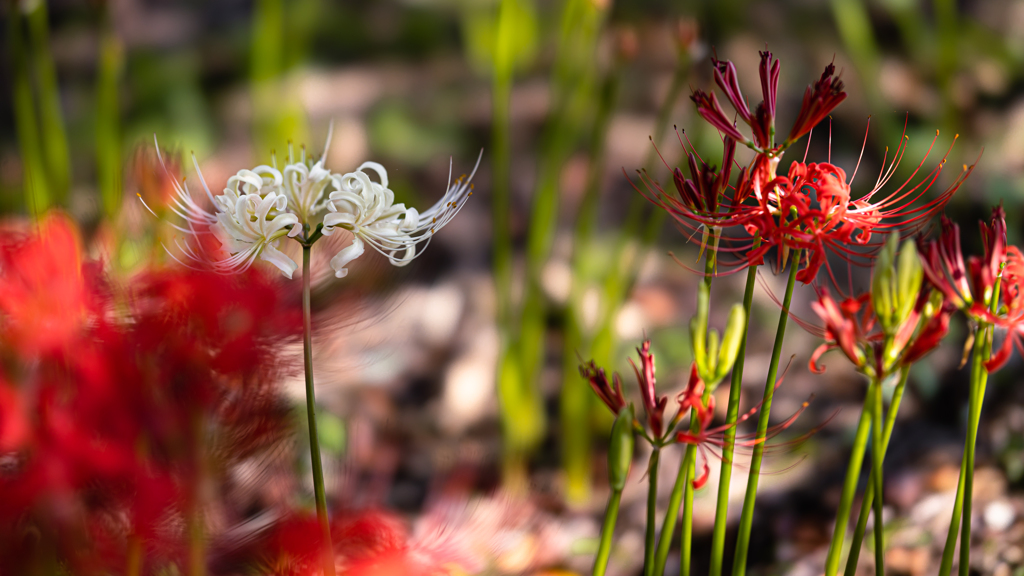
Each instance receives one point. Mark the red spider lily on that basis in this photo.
(44, 299)
(614, 399)
(846, 327)
(943, 264)
(654, 406)
(366, 543)
(98, 414)
(1013, 318)
(811, 210)
(707, 439)
(611, 396)
(851, 325)
(819, 101)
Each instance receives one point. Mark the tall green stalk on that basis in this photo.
(869, 493)
(972, 438)
(34, 179)
(683, 487)
(54, 141)
(576, 401)
(319, 493)
(965, 487)
(108, 132)
(522, 413)
(732, 414)
(860, 444)
(652, 512)
(604, 549)
(747, 516)
(877, 455)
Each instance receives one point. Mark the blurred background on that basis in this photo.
(449, 388)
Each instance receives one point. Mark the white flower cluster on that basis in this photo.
(261, 206)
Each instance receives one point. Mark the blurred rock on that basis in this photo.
(999, 515)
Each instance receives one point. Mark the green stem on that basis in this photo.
(980, 375)
(668, 526)
(860, 444)
(747, 516)
(876, 472)
(946, 566)
(683, 485)
(314, 441)
(869, 493)
(611, 513)
(652, 511)
(51, 119)
(686, 537)
(725, 476)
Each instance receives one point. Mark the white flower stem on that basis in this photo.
(314, 442)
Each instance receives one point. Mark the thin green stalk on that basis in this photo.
(516, 396)
(946, 565)
(683, 485)
(34, 179)
(876, 473)
(108, 133)
(577, 399)
(959, 516)
(314, 440)
(869, 493)
(725, 476)
(572, 87)
(860, 444)
(739, 566)
(652, 512)
(686, 535)
(51, 118)
(604, 550)
(981, 376)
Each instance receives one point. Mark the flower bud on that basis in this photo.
(699, 332)
(620, 449)
(732, 339)
(883, 285)
(909, 275)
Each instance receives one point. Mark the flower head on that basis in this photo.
(970, 288)
(368, 210)
(811, 210)
(44, 296)
(708, 439)
(612, 396)
(261, 206)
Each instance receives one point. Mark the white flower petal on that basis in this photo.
(347, 254)
(271, 254)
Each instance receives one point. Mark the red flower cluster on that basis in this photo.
(987, 288)
(810, 210)
(710, 440)
(851, 326)
(613, 398)
(112, 399)
(366, 543)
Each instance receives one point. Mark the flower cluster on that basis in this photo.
(894, 325)
(112, 399)
(987, 288)
(811, 210)
(261, 206)
(612, 396)
(710, 440)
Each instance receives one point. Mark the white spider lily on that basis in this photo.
(367, 209)
(261, 206)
